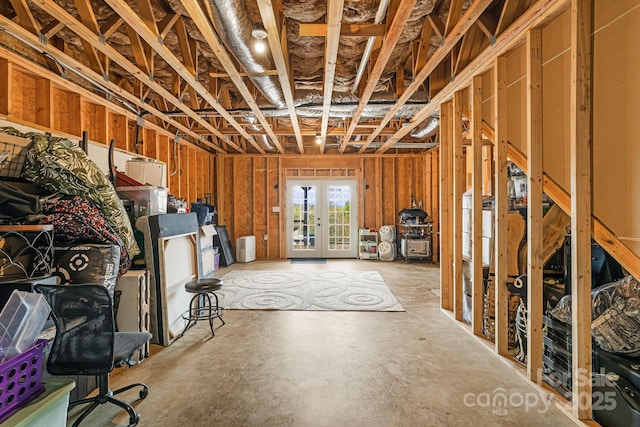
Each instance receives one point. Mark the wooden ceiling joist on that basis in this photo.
(488, 24)
(269, 19)
(110, 26)
(51, 29)
(346, 30)
(395, 30)
(25, 16)
(423, 47)
(264, 73)
(71, 63)
(88, 18)
(136, 22)
(146, 13)
(436, 24)
(138, 51)
(468, 19)
(167, 24)
(203, 23)
(58, 13)
(538, 13)
(332, 42)
(507, 15)
(470, 45)
(455, 10)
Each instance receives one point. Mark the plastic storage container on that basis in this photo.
(21, 321)
(148, 200)
(20, 380)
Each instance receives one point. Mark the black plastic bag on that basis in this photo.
(18, 207)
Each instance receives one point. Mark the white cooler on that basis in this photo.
(246, 248)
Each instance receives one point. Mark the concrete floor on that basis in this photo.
(297, 368)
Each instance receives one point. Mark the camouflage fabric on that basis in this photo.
(59, 165)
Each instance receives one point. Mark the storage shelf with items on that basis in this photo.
(368, 243)
(415, 241)
(414, 233)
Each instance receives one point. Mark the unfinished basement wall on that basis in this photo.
(39, 101)
(616, 89)
(616, 108)
(251, 195)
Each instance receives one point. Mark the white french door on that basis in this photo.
(321, 218)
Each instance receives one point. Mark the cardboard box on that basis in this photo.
(206, 237)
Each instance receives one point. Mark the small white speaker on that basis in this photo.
(386, 251)
(387, 233)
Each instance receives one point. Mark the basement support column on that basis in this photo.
(458, 189)
(581, 204)
(476, 222)
(534, 209)
(446, 204)
(500, 217)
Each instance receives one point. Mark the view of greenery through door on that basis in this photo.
(339, 220)
(304, 215)
(339, 199)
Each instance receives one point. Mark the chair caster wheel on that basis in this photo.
(133, 421)
(144, 393)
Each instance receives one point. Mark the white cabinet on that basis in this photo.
(368, 243)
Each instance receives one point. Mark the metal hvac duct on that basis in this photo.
(426, 128)
(233, 25)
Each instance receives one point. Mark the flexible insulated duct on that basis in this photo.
(233, 25)
(426, 128)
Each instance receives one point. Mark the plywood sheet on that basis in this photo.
(117, 129)
(616, 90)
(192, 175)
(184, 173)
(369, 196)
(516, 95)
(556, 117)
(150, 143)
(242, 197)
(389, 211)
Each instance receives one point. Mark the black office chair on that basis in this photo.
(86, 342)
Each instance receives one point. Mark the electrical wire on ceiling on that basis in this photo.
(176, 140)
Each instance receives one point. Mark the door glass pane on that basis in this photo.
(304, 206)
(339, 199)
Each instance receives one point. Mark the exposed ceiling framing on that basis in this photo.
(179, 64)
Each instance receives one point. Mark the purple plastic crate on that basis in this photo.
(20, 379)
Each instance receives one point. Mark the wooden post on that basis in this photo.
(500, 215)
(534, 211)
(458, 188)
(435, 238)
(220, 200)
(446, 202)
(476, 223)
(581, 204)
(6, 80)
(76, 115)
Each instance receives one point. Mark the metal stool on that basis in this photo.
(200, 307)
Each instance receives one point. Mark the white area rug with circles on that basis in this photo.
(307, 290)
